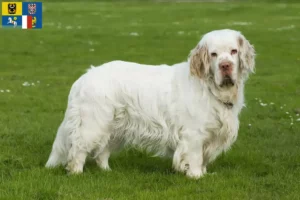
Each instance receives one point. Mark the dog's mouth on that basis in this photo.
(227, 82)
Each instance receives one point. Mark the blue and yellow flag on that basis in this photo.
(25, 15)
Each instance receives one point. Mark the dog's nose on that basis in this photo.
(225, 66)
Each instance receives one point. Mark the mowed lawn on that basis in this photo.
(38, 67)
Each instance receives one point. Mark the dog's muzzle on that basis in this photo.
(227, 81)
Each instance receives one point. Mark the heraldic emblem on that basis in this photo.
(31, 8)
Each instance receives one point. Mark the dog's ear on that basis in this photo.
(199, 61)
(246, 54)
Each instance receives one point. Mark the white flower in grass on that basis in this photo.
(283, 28)
(272, 103)
(240, 23)
(26, 84)
(297, 114)
(263, 104)
(7, 90)
(281, 107)
(134, 34)
(287, 113)
(298, 120)
(1, 90)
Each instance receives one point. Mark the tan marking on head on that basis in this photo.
(246, 54)
(199, 61)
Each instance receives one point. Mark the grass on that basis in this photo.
(262, 164)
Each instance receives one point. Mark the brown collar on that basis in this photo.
(228, 105)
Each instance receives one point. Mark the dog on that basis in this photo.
(188, 111)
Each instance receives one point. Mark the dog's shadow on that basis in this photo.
(132, 160)
(135, 160)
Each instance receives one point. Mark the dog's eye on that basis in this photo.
(233, 51)
(214, 54)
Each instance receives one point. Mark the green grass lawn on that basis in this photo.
(264, 163)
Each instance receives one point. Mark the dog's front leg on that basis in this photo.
(188, 156)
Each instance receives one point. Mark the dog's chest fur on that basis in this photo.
(221, 132)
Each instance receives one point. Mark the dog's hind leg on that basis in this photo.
(78, 146)
(81, 145)
(76, 160)
(102, 154)
(102, 159)
(69, 126)
(93, 134)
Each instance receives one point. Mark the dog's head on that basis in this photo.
(224, 56)
(12, 8)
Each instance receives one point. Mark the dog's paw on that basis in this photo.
(106, 168)
(73, 169)
(194, 174)
(204, 171)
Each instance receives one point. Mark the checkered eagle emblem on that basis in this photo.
(31, 8)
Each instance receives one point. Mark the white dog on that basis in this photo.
(188, 110)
